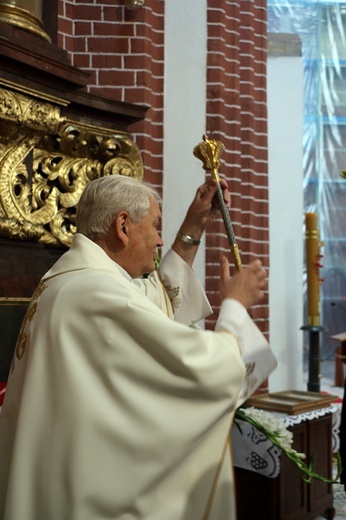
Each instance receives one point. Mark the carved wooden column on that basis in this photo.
(26, 14)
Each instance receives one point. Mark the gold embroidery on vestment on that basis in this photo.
(173, 294)
(250, 378)
(30, 313)
(39, 290)
(165, 295)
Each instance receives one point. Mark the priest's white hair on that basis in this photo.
(105, 197)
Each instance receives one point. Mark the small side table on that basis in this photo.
(287, 496)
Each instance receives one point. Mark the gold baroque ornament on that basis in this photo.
(45, 164)
(29, 112)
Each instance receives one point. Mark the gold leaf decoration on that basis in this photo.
(45, 163)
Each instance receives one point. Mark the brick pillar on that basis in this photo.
(124, 51)
(236, 115)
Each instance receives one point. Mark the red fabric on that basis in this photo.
(2, 392)
(336, 400)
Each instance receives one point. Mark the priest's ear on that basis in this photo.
(121, 227)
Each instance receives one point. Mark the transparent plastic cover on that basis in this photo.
(321, 26)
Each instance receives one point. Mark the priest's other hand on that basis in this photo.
(247, 286)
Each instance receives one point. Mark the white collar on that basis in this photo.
(123, 272)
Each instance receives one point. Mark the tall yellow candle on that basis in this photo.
(312, 267)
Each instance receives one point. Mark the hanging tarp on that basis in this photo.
(321, 27)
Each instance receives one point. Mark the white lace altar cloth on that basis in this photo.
(254, 452)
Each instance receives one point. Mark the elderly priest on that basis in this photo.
(117, 407)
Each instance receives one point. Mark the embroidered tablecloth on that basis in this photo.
(253, 451)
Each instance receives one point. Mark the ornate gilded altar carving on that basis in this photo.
(46, 161)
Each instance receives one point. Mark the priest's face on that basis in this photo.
(145, 239)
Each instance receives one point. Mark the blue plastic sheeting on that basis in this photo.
(321, 26)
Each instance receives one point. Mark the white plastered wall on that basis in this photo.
(184, 113)
(285, 130)
(184, 125)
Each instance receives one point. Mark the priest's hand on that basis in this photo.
(246, 286)
(204, 208)
(202, 211)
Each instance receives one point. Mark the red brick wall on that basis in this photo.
(124, 52)
(236, 115)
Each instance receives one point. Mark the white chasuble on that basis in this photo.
(114, 410)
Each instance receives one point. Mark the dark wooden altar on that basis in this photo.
(288, 497)
(47, 117)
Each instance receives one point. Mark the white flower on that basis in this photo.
(273, 425)
(274, 429)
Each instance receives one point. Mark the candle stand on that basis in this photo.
(314, 356)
